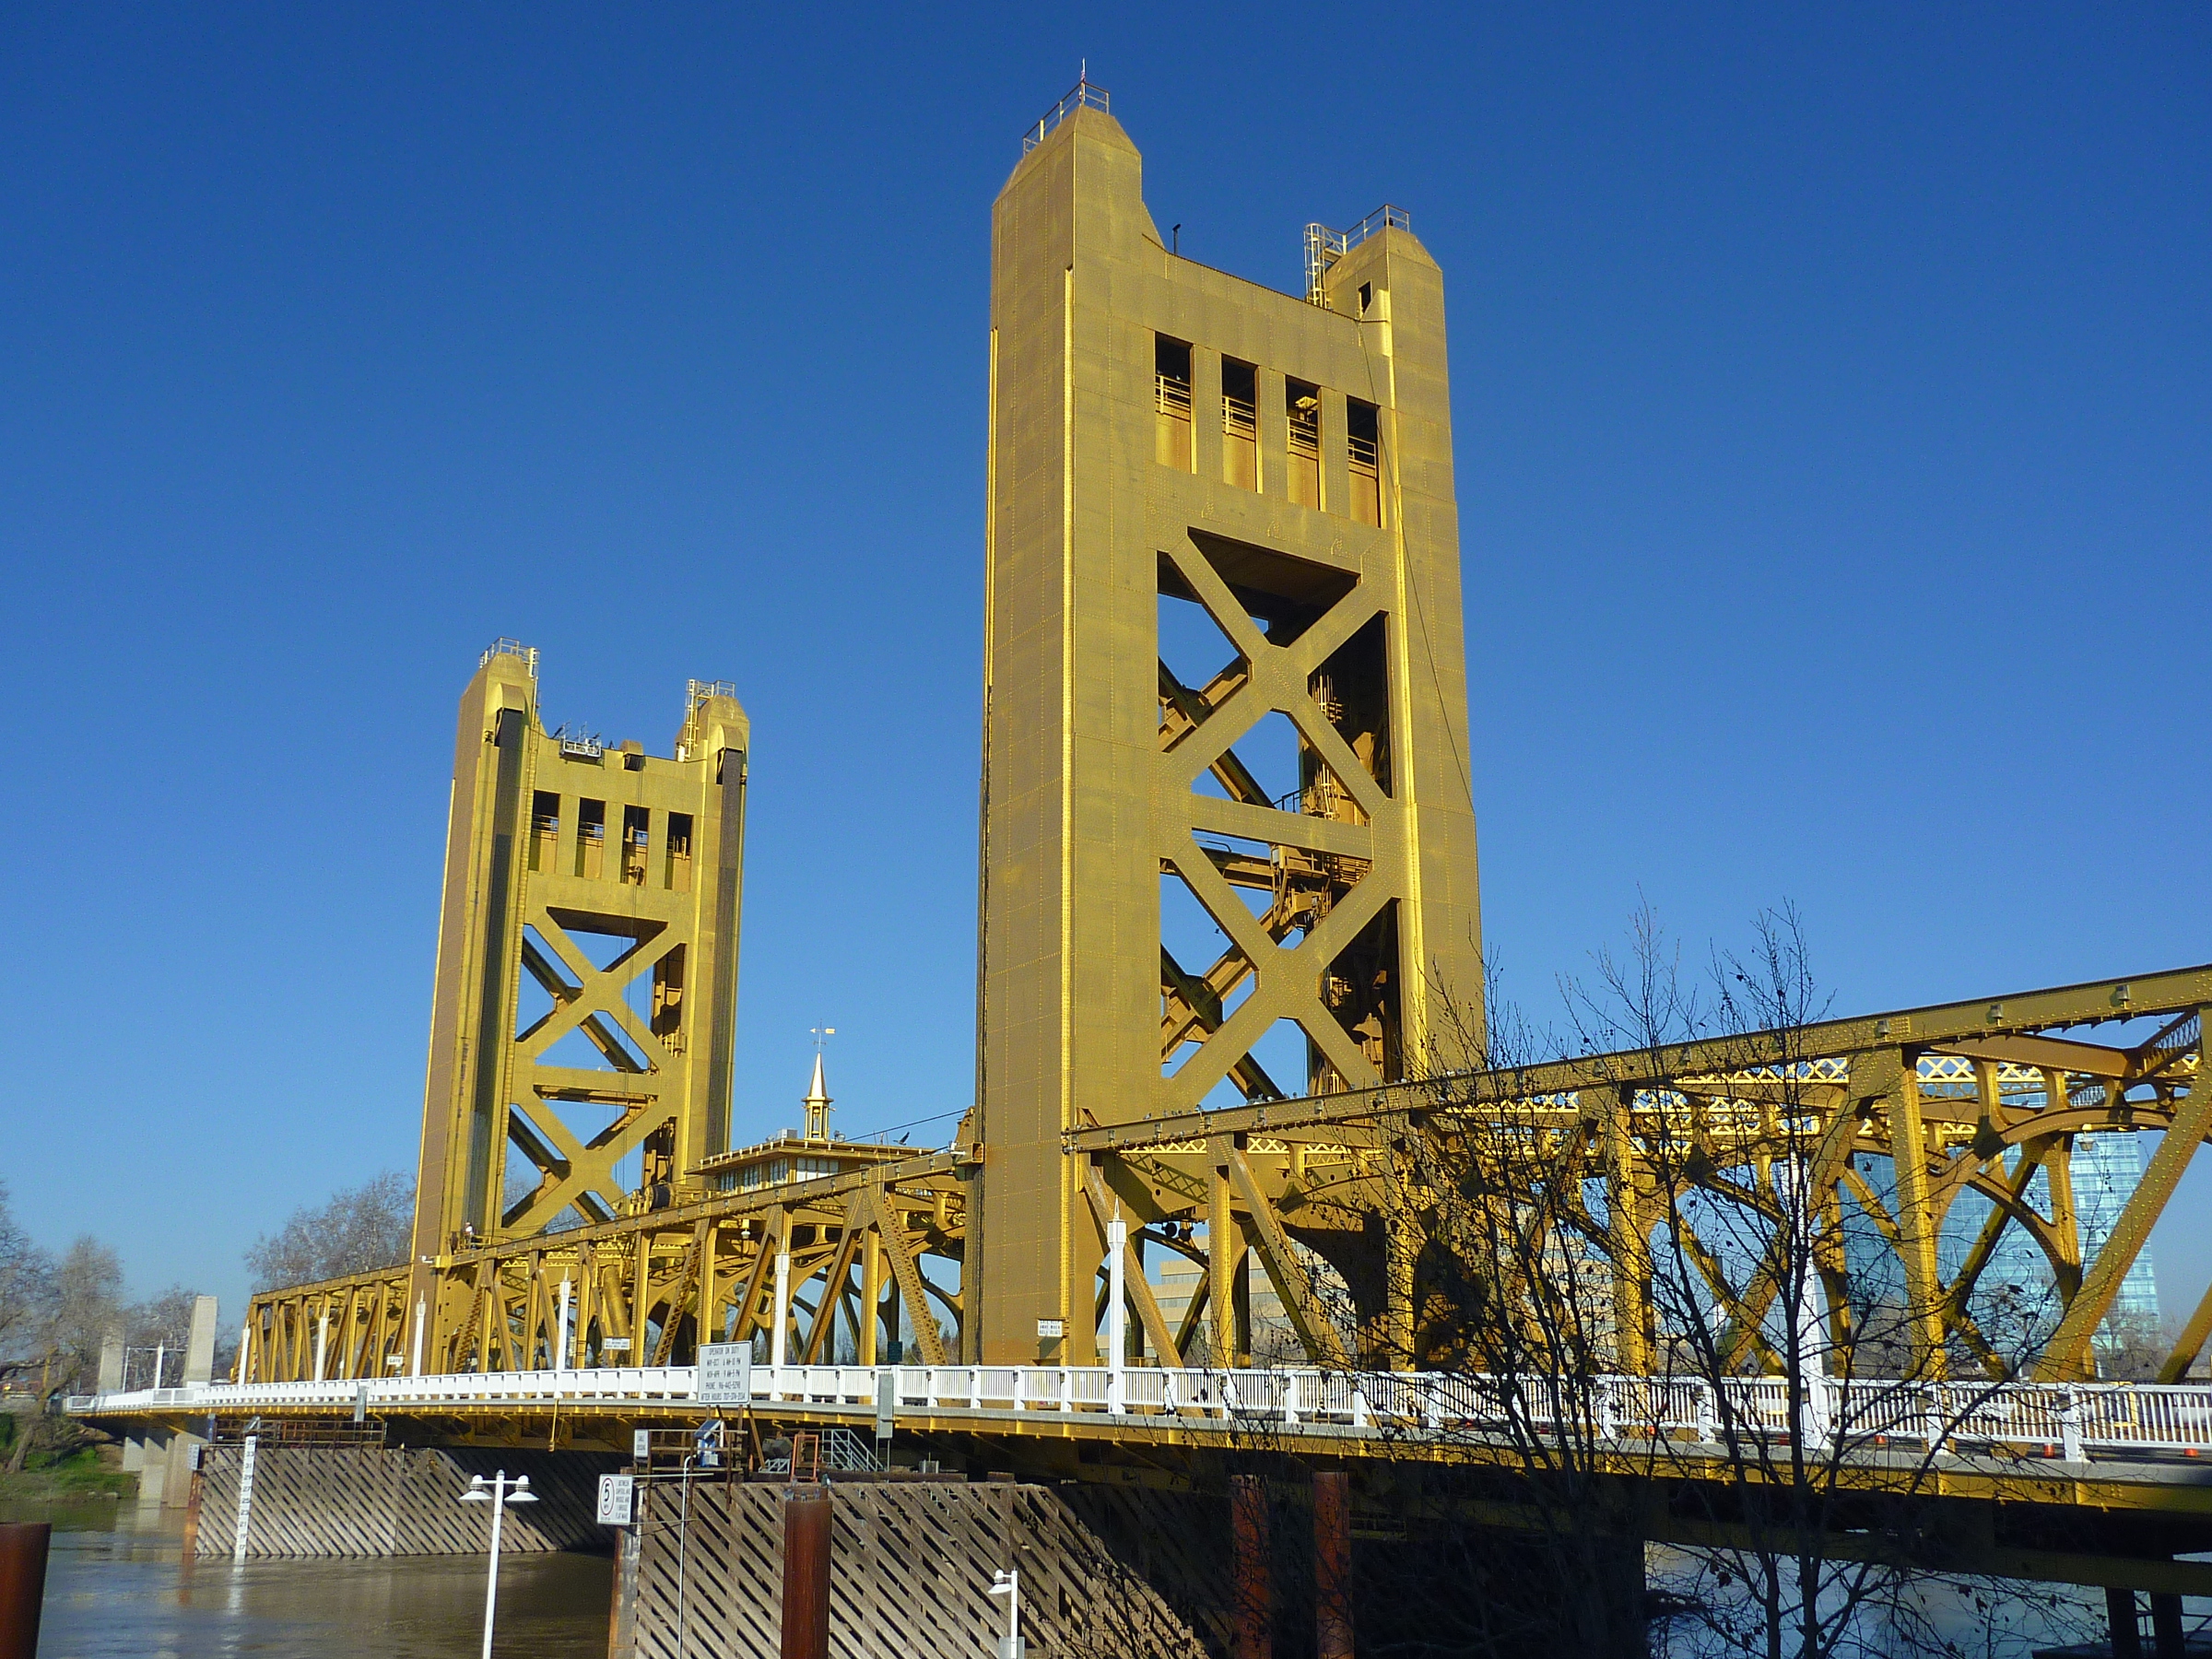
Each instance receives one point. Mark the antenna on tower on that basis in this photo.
(818, 1095)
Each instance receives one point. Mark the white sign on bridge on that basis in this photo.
(726, 1373)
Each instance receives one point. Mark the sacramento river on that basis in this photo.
(113, 1593)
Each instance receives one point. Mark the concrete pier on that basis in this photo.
(163, 1458)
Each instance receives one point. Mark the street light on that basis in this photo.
(1008, 1584)
(498, 1491)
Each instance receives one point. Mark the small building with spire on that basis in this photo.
(817, 1105)
(807, 1154)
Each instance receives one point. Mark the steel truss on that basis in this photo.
(1978, 1096)
(860, 1255)
(1300, 1188)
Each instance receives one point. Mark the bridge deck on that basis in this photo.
(2125, 1445)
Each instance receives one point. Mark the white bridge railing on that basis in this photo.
(2055, 1420)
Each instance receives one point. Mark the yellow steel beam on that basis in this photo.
(1149, 1317)
(2066, 1355)
(1312, 1324)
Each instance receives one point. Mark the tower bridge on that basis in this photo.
(1230, 999)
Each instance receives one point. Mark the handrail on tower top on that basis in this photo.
(1325, 247)
(513, 648)
(1083, 95)
(696, 693)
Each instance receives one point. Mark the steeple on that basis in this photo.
(817, 1105)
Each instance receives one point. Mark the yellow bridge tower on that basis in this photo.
(1174, 451)
(587, 965)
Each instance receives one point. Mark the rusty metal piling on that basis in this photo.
(806, 1573)
(1248, 1527)
(1333, 1565)
(23, 1546)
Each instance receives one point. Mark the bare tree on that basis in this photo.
(162, 1323)
(26, 1283)
(358, 1229)
(81, 1307)
(1624, 1253)
(162, 1320)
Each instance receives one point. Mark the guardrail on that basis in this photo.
(2072, 1421)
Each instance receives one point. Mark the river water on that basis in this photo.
(117, 1588)
(116, 1591)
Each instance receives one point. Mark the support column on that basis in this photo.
(871, 1294)
(2120, 1623)
(2068, 1356)
(709, 1319)
(807, 1574)
(2167, 1641)
(1916, 1222)
(1220, 1258)
(1240, 1283)
(23, 1545)
(894, 1299)
(1624, 1226)
(150, 1464)
(176, 1480)
(2065, 1219)
(622, 1614)
(587, 1268)
(1333, 1565)
(1399, 1246)
(779, 1333)
(1117, 1312)
(1253, 1637)
(191, 1542)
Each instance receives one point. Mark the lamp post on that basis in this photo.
(1008, 1584)
(498, 1491)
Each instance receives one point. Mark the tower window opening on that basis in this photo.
(636, 828)
(1171, 400)
(545, 829)
(668, 1000)
(1302, 408)
(1367, 297)
(591, 837)
(1364, 453)
(1239, 423)
(677, 877)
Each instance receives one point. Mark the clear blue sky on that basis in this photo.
(1832, 391)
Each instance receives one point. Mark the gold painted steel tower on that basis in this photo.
(587, 965)
(1206, 878)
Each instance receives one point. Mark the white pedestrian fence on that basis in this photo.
(2052, 1420)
